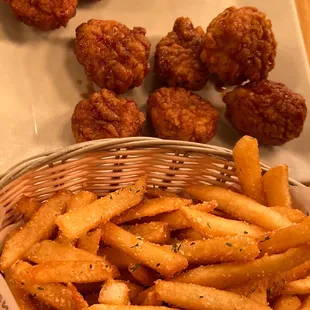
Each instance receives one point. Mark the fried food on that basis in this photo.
(105, 115)
(266, 110)
(240, 46)
(45, 15)
(113, 56)
(177, 56)
(182, 115)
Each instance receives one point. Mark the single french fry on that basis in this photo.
(240, 206)
(90, 241)
(143, 275)
(23, 299)
(232, 274)
(160, 260)
(298, 287)
(53, 294)
(276, 187)
(189, 234)
(123, 307)
(49, 251)
(279, 241)
(156, 232)
(134, 289)
(176, 219)
(211, 226)
(41, 226)
(116, 257)
(217, 250)
(66, 271)
(191, 296)
(287, 303)
(158, 193)
(254, 289)
(77, 222)
(80, 302)
(27, 207)
(114, 292)
(294, 215)
(248, 169)
(78, 201)
(142, 296)
(305, 303)
(152, 207)
(151, 299)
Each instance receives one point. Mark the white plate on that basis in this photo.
(40, 77)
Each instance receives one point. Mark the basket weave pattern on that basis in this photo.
(106, 165)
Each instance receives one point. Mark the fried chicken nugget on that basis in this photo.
(113, 56)
(44, 14)
(104, 115)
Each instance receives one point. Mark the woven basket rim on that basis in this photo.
(67, 152)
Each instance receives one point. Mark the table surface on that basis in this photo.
(303, 7)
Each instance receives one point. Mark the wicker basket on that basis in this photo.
(106, 165)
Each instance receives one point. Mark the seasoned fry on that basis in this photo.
(279, 241)
(123, 307)
(53, 294)
(79, 221)
(254, 289)
(158, 193)
(114, 293)
(41, 226)
(116, 257)
(276, 187)
(246, 158)
(294, 215)
(90, 241)
(142, 296)
(143, 275)
(49, 251)
(287, 303)
(66, 271)
(151, 299)
(176, 219)
(211, 226)
(191, 296)
(231, 274)
(152, 207)
(134, 289)
(156, 232)
(298, 287)
(80, 302)
(23, 299)
(27, 207)
(189, 234)
(162, 261)
(239, 206)
(217, 250)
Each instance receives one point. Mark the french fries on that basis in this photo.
(90, 241)
(123, 307)
(41, 226)
(151, 299)
(232, 274)
(143, 275)
(80, 302)
(152, 207)
(176, 219)
(116, 257)
(240, 206)
(191, 296)
(114, 292)
(279, 241)
(189, 234)
(70, 271)
(79, 221)
(276, 187)
(294, 215)
(27, 207)
(211, 226)
(156, 232)
(160, 260)
(134, 289)
(210, 251)
(287, 303)
(298, 287)
(246, 158)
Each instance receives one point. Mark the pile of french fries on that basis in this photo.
(207, 247)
